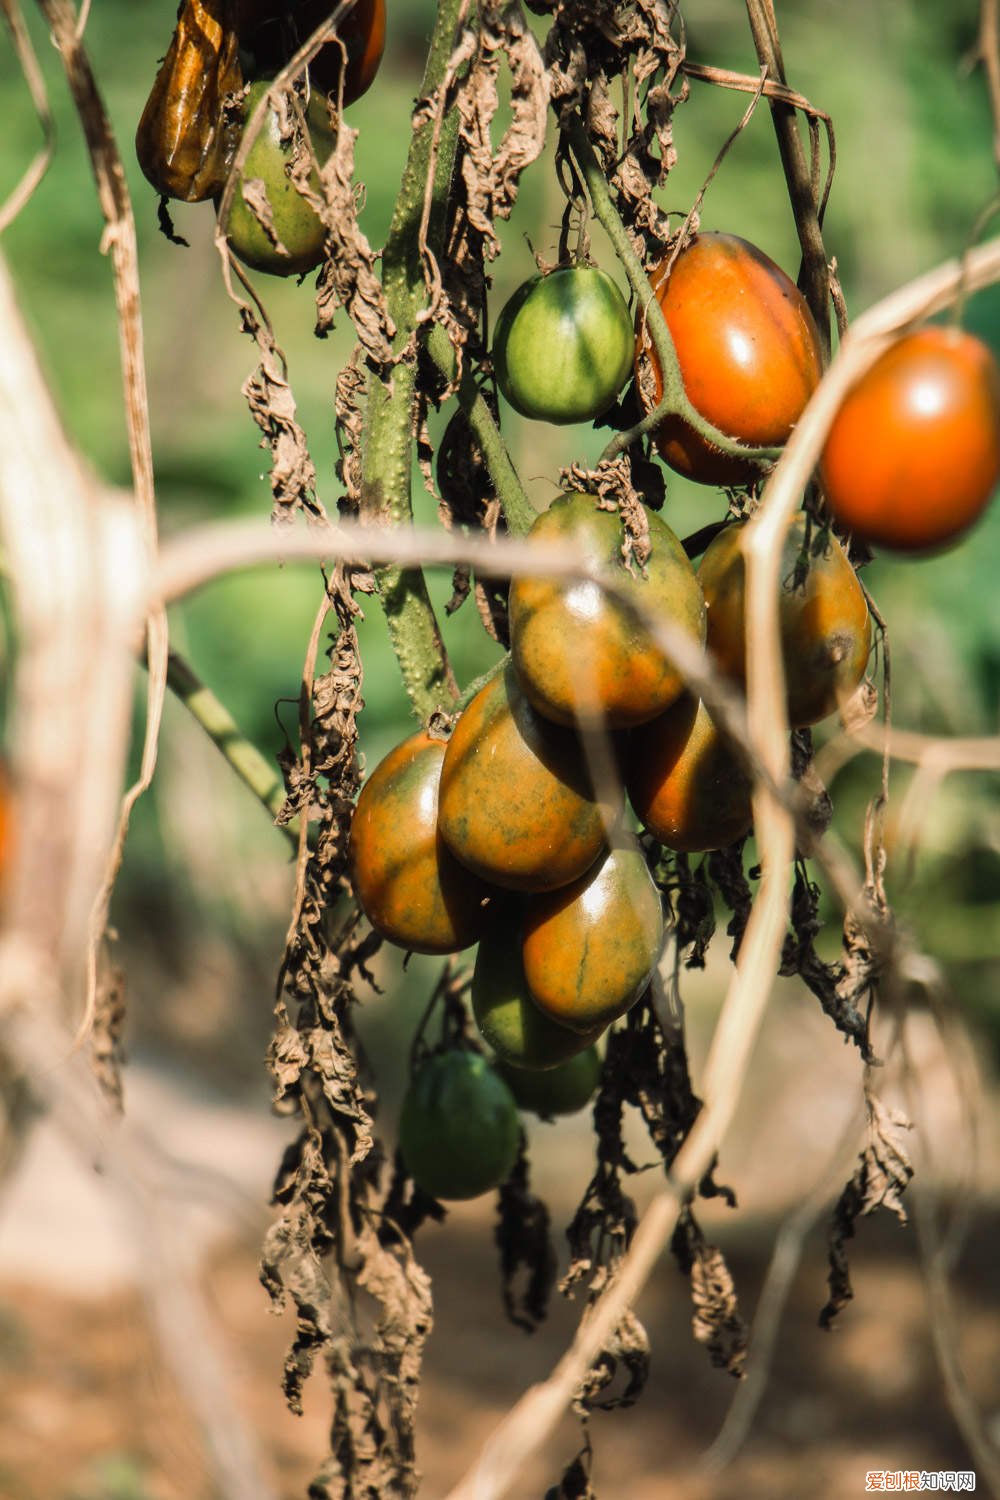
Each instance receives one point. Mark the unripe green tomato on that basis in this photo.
(509, 1020)
(563, 345)
(410, 886)
(516, 802)
(298, 227)
(459, 1131)
(562, 1090)
(688, 786)
(590, 949)
(581, 656)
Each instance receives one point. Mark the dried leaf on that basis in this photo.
(881, 1178)
(525, 1243)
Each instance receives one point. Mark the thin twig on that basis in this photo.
(815, 278)
(39, 164)
(989, 53)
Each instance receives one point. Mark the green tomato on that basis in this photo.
(563, 345)
(299, 229)
(459, 1130)
(505, 1013)
(559, 1091)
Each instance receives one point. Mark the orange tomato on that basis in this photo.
(687, 784)
(748, 351)
(913, 455)
(590, 949)
(579, 653)
(508, 1019)
(823, 618)
(517, 805)
(410, 887)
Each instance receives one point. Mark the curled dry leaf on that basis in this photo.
(524, 1239)
(881, 1178)
(272, 406)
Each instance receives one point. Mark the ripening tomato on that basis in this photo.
(582, 656)
(590, 949)
(459, 1130)
(562, 1090)
(298, 228)
(913, 455)
(507, 1017)
(687, 784)
(516, 804)
(748, 350)
(822, 614)
(410, 887)
(273, 30)
(563, 345)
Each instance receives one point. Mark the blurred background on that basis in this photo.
(202, 904)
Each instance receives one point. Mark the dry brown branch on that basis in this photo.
(119, 238)
(78, 569)
(39, 165)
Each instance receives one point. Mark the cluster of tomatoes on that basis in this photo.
(510, 833)
(222, 59)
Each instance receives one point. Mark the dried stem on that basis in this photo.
(39, 97)
(989, 53)
(815, 276)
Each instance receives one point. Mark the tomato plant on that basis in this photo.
(411, 887)
(582, 656)
(563, 345)
(459, 1130)
(913, 456)
(686, 783)
(747, 347)
(517, 804)
(590, 949)
(297, 234)
(822, 615)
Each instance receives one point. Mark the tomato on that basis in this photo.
(579, 654)
(687, 784)
(748, 350)
(516, 804)
(459, 1130)
(410, 887)
(185, 142)
(298, 227)
(562, 1090)
(913, 455)
(505, 1013)
(563, 345)
(824, 622)
(590, 949)
(273, 30)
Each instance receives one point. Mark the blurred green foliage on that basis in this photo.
(914, 170)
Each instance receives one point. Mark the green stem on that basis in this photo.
(388, 441)
(675, 400)
(253, 768)
(517, 508)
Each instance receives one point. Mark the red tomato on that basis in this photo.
(748, 350)
(412, 890)
(273, 30)
(913, 455)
